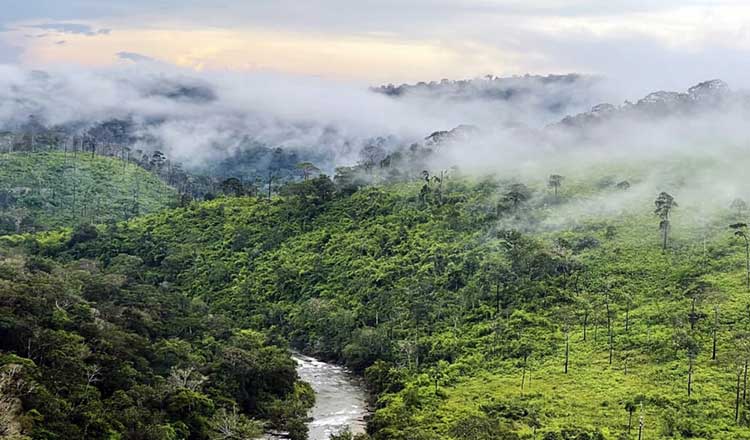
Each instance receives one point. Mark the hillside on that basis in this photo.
(39, 191)
(458, 299)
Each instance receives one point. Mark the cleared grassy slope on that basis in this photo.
(39, 191)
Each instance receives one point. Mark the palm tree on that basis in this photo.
(630, 408)
(664, 205)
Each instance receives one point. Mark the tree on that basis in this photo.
(566, 318)
(715, 332)
(623, 186)
(686, 341)
(232, 187)
(630, 408)
(641, 423)
(567, 348)
(233, 425)
(157, 160)
(740, 230)
(438, 374)
(517, 194)
(739, 205)
(371, 155)
(739, 369)
(555, 182)
(664, 204)
(307, 169)
(271, 178)
(741, 356)
(496, 276)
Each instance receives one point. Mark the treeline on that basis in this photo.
(257, 167)
(110, 139)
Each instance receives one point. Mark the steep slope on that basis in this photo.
(40, 191)
(95, 352)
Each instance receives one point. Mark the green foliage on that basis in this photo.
(40, 191)
(95, 351)
(459, 301)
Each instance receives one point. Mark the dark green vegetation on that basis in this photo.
(39, 191)
(474, 308)
(104, 349)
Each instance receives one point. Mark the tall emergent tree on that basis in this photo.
(740, 230)
(555, 182)
(664, 205)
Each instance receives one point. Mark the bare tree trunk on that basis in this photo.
(585, 324)
(497, 299)
(737, 399)
(270, 182)
(630, 420)
(567, 350)
(715, 332)
(627, 317)
(640, 424)
(690, 376)
(744, 383)
(610, 336)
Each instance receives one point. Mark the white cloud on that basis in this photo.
(671, 43)
(134, 57)
(71, 28)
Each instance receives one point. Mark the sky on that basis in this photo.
(641, 45)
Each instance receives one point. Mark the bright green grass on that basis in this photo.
(593, 393)
(48, 190)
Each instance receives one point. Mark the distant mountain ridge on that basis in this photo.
(711, 95)
(552, 94)
(489, 87)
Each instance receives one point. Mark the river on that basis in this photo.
(340, 399)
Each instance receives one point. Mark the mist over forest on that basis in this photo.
(331, 220)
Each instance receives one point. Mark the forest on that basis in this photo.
(610, 304)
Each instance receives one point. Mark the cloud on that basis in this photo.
(675, 42)
(134, 57)
(71, 28)
(199, 116)
(9, 54)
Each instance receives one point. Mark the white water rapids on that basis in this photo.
(340, 400)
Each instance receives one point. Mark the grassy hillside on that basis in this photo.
(458, 300)
(39, 191)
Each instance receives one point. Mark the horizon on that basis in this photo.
(667, 45)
